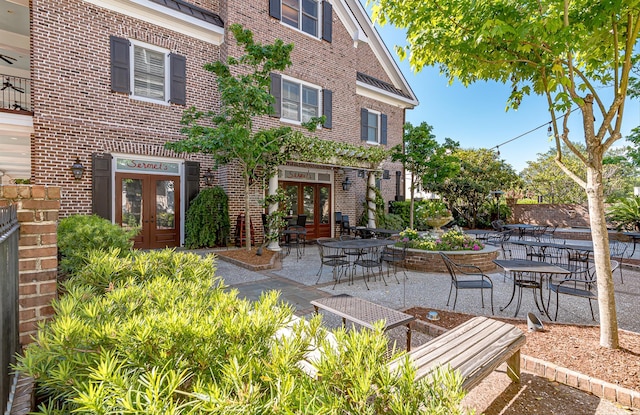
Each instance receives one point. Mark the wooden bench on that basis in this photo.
(475, 349)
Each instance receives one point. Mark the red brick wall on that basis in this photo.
(332, 66)
(75, 112)
(38, 264)
(561, 215)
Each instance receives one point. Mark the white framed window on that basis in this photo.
(149, 72)
(373, 127)
(300, 101)
(304, 15)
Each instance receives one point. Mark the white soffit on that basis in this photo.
(387, 97)
(380, 49)
(159, 15)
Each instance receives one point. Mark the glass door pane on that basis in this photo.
(292, 195)
(309, 202)
(165, 205)
(132, 203)
(325, 209)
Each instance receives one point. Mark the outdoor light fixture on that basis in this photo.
(77, 169)
(208, 177)
(346, 185)
(497, 193)
(549, 130)
(361, 173)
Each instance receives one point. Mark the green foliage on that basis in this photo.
(390, 221)
(79, 234)
(545, 178)
(481, 171)
(423, 209)
(453, 240)
(625, 214)
(207, 222)
(157, 333)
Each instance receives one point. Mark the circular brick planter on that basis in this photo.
(431, 261)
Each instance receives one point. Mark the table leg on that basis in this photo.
(409, 337)
(635, 240)
(513, 293)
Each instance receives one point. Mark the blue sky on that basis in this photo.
(475, 116)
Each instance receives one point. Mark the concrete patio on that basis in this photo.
(297, 283)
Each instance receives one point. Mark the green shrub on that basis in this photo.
(207, 222)
(165, 337)
(625, 214)
(79, 234)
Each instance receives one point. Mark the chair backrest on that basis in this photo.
(498, 225)
(301, 220)
(338, 216)
(450, 266)
(513, 251)
(617, 249)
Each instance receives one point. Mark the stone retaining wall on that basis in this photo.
(431, 261)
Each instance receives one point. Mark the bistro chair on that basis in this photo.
(369, 260)
(394, 257)
(331, 257)
(579, 287)
(345, 227)
(467, 277)
(498, 225)
(617, 251)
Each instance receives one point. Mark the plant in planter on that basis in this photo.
(625, 213)
(434, 213)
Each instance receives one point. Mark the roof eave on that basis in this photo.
(387, 97)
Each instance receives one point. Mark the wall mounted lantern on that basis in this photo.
(208, 177)
(361, 174)
(77, 169)
(346, 185)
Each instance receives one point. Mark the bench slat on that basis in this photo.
(475, 349)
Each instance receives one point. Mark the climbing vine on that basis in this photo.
(207, 221)
(276, 221)
(313, 149)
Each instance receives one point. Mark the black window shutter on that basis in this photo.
(364, 123)
(275, 9)
(383, 128)
(178, 75)
(120, 65)
(192, 181)
(276, 91)
(101, 185)
(327, 108)
(327, 21)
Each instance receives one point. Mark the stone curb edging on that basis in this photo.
(600, 388)
(274, 265)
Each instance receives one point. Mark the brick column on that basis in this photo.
(38, 208)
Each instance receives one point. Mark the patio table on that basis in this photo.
(635, 237)
(519, 267)
(364, 313)
(481, 234)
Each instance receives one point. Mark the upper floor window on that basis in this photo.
(298, 101)
(150, 72)
(310, 16)
(147, 72)
(373, 126)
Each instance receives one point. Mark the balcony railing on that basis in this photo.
(15, 94)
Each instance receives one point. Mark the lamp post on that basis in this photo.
(496, 194)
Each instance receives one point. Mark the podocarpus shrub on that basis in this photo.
(79, 234)
(157, 333)
(207, 222)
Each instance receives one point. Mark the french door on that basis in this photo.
(314, 201)
(151, 203)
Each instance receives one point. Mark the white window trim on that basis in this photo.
(299, 29)
(167, 73)
(378, 116)
(302, 83)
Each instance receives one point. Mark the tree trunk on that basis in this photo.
(247, 218)
(600, 237)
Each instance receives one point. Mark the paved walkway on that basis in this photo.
(297, 283)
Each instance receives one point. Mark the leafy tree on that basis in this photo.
(544, 177)
(480, 172)
(424, 157)
(565, 51)
(228, 134)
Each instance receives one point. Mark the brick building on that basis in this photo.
(102, 85)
